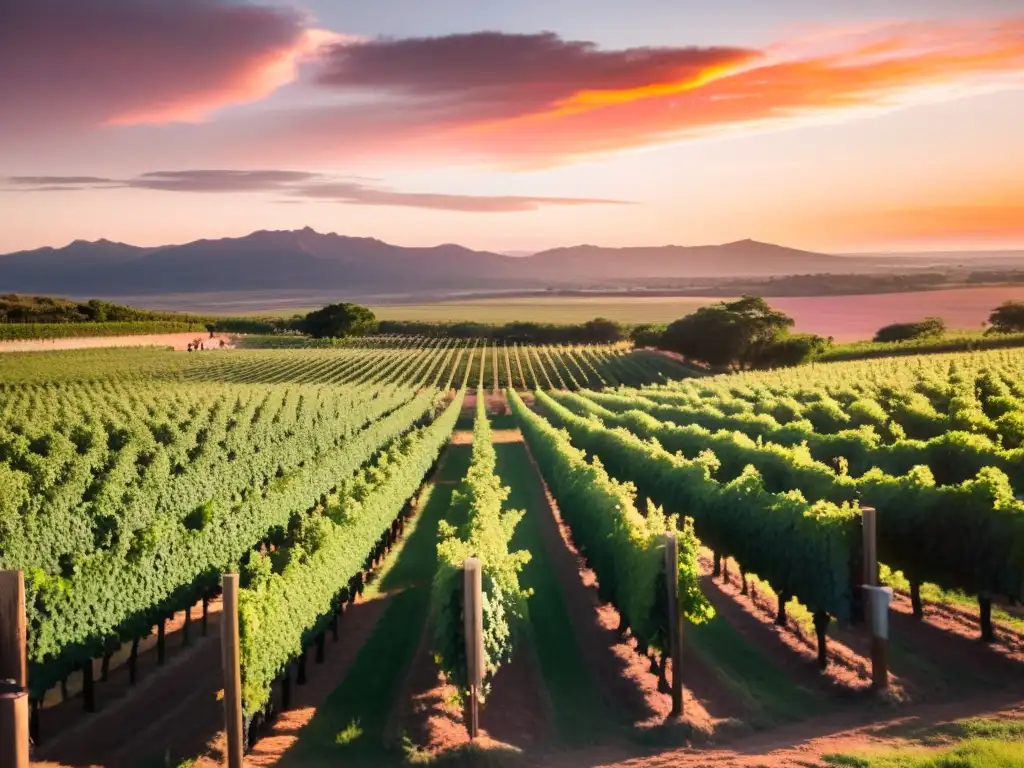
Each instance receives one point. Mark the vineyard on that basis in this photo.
(664, 559)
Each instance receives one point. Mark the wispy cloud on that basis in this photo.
(299, 186)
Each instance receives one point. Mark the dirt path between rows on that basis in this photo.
(804, 744)
(122, 724)
(623, 674)
(176, 341)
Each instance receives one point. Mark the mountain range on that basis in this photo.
(302, 260)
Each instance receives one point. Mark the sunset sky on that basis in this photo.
(822, 124)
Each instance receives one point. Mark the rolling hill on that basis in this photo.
(309, 260)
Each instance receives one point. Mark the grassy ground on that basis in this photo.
(350, 726)
(978, 743)
(771, 695)
(579, 712)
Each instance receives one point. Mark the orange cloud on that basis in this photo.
(251, 79)
(888, 68)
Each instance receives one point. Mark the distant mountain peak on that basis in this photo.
(302, 259)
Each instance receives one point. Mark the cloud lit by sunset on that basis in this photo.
(512, 119)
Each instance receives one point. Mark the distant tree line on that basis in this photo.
(16, 308)
(600, 330)
(748, 333)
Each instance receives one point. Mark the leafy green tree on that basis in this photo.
(930, 327)
(337, 320)
(728, 333)
(648, 334)
(1008, 317)
(791, 349)
(601, 330)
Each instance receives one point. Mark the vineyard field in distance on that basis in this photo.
(347, 483)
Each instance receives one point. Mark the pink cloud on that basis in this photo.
(73, 64)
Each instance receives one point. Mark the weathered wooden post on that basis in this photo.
(869, 523)
(878, 600)
(675, 620)
(472, 609)
(14, 705)
(231, 665)
(869, 517)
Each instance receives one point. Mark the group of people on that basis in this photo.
(199, 344)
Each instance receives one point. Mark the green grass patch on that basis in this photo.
(349, 727)
(456, 463)
(771, 694)
(970, 743)
(974, 753)
(579, 713)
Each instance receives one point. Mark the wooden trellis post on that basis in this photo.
(675, 620)
(231, 665)
(14, 709)
(474, 627)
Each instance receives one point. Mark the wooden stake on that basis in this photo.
(675, 621)
(14, 708)
(14, 719)
(231, 666)
(474, 627)
(13, 636)
(878, 600)
(869, 529)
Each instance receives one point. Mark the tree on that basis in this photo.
(647, 334)
(1008, 317)
(791, 349)
(336, 320)
(601, 330)
(727, 333)
(923, 329)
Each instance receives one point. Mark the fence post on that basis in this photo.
(14, 705)
(13, 636)
(878, 599)
(869, 518)
(675, 620)
(232, 672)
(869, 547)
(474, 626)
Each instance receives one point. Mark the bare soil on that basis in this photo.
(176, 341)
(623, 674)
(789, 647)
(173, 708)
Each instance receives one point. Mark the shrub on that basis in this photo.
(928, 328)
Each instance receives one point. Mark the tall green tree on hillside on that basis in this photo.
(728, 333)
(1008, 317)
(337, 320)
